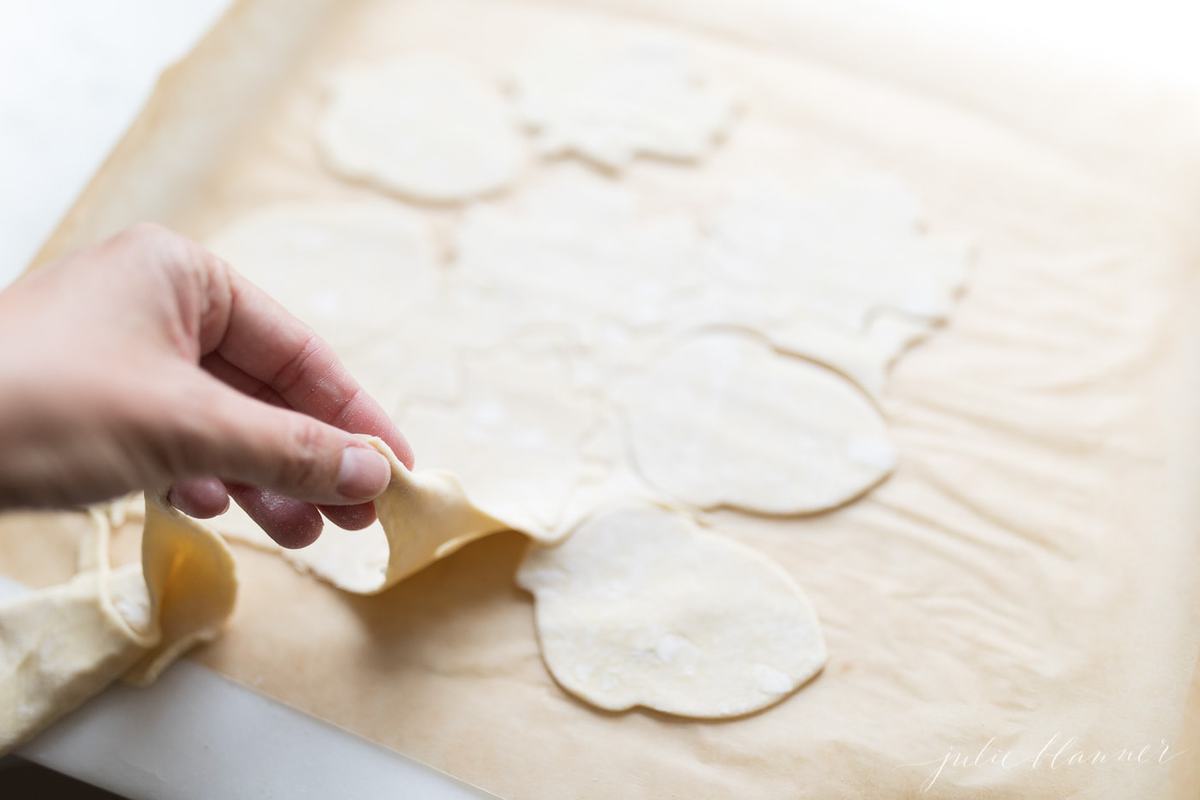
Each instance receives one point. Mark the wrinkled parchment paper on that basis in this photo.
(1011, 615)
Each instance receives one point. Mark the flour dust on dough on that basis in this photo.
(844, 270)
(641, 608)
(610, 105)
(424, 126)
(721, 419)
(577, 251)
(65, 643)
(365, 277)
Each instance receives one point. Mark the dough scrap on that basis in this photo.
(723, 420)
(423, 126)
(647, 98)
(65, 643)
(844, 272)
(640, 608)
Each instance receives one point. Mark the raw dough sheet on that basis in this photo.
(1025, 580)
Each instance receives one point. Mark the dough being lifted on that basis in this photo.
(640, 608)
(64, 644)
(424, 515)
(423, 126)
(722, 419)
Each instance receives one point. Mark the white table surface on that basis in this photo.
(73, 73)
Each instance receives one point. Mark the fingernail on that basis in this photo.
(364, 473)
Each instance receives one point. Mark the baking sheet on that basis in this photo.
(1022, 588)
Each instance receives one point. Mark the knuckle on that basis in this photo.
(162, 247)
(146, 229)
(142, 235)
(298, 369)
(184, 255)
(303, 464)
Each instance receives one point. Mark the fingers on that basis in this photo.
(261, 339)
(202, 498)
(214, 364)
(223, 432)
(351, 517)
(250, 342)
(291, 523)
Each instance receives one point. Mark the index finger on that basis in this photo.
(262, 339)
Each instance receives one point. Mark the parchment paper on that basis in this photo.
(1024, 587)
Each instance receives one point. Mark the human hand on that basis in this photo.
(146, 362)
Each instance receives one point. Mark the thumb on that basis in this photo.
(245, 440)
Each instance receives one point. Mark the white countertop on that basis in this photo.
(75, 74)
